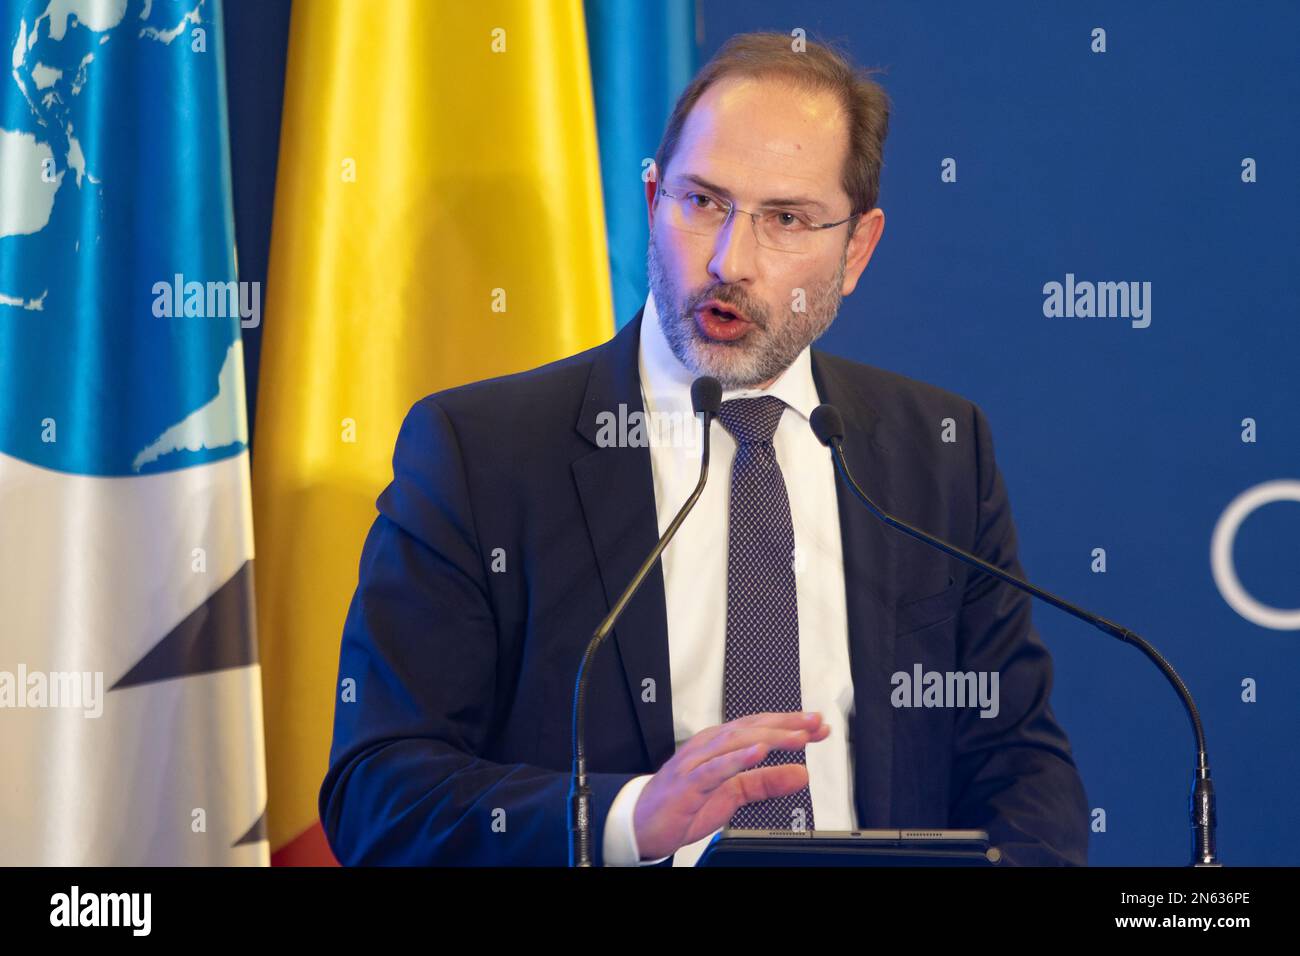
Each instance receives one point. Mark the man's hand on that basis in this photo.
(708, 779)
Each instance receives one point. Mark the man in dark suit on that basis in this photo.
(514, 521)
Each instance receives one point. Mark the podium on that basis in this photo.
(850, 848)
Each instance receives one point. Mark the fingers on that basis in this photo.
(715, 772)
(767, 782)
(792, 720)
(711, 774)
(748, 787)
(730, 752)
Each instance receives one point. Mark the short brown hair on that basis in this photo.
(819, 66)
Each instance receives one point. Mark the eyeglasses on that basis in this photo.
(703, 214)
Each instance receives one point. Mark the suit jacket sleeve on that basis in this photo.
(1013, 774)
(407, 783)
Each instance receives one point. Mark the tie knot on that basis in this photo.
(752, 420)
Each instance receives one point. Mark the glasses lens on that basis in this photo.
(698, 213)
(784, 231)
(701, 214)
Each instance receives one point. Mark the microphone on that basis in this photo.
(706, 399)
(828, 426)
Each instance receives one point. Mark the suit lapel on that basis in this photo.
(616, 488)
(870, 583)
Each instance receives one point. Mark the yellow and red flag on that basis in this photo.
(438, 220)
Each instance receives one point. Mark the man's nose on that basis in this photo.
(735, 250)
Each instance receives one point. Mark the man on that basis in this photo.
(758, 678)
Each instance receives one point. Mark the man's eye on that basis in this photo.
(789, 221)
(691, 197)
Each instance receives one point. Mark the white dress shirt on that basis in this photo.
(695, 565)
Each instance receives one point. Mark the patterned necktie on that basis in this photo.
(761, 672)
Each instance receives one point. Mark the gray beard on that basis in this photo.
(766, 350)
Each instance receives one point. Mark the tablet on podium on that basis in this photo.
(850, 848)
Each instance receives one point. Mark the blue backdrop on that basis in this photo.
(1122, 166)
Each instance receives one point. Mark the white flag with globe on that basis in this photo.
(130, 693)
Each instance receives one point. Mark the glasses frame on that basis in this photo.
(732, 209)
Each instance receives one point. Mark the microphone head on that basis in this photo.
(706, 395)
(827, 424)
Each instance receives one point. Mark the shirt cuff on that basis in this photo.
(619, 840)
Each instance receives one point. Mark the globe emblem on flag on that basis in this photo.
(93, 216)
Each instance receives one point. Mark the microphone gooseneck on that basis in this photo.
(828, 426)
(706, 399)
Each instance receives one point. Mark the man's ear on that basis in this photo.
(651, 187)
(870, 227)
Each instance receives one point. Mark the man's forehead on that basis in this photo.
(764, 131)
(782, 101)
(762, 182)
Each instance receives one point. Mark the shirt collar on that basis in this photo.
(666, 382)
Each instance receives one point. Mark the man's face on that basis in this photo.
(758, 140)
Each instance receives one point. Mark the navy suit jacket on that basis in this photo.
(506, 535)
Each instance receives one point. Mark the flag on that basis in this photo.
(438, 220)
(130, 694)
(642, 57)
